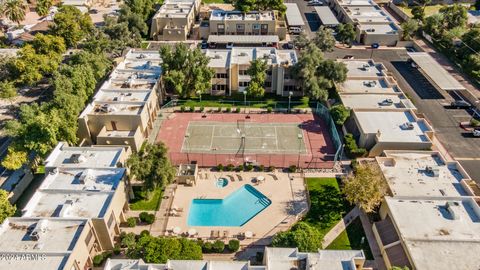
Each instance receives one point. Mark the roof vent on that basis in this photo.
(451, 211)
(54, 172)
(86, 176)
(65, 207)
(77, 158)
(41, 227)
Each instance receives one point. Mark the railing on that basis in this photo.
(324, 113)
(275, 105)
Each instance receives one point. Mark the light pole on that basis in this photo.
(300, 137)
(289, 98)
(187, 135)
(245, 97)
(199, 93)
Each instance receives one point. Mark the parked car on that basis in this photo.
(289, 45)
(204, 44)
(295, 30)
(460, 104)
(315, 3)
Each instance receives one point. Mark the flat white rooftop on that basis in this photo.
(388, 125)
(379, 29)
(368, 86)
(55, 235)
(64, 156)
(74, 179)
(222, 15)
(243, 56)
(376, 101)
(425, 174)
(293, 15)
(363, 68)
(68, 204)
(436, 235)
(356, 2)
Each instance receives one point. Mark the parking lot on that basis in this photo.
(433, 103)
(312, 23)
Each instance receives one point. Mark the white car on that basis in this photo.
(315, 3)
(476, 132)
(295, 30)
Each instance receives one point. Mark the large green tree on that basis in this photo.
(151, 166)
(70, 24)
(434, 25)
(324, 39)
(30, 67)
(302, 236)
(258, 74)
(14, 10)
(259, 5)
(346, 33)
(454, 16)
(409, 28)
(301, 41)
(185, 71)
(6, 208)
(49, 45)
(43, 6)
(366, 187)
(418, 13)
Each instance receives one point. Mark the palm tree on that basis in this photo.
(14, 10)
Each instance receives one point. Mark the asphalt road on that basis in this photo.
(312, 23)
(430, 101)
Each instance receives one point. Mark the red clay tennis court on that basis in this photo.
(278, 140)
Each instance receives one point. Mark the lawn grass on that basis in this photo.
(351, 238)
(141, 203)
(429, 10)
(328, 205)
(216, 1)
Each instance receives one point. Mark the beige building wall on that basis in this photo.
(86, 247)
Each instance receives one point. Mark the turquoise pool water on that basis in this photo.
(234, 210)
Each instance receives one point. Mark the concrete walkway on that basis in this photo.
(340, 227)
(372, 242)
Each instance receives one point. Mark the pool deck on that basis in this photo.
(288, 198)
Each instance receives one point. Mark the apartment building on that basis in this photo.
(174, 20)
(230, 67)
(383, 117)
(274, 258)
(431, 233)
(255, 23)
(126, 105)
(47, 243)
(373, 25)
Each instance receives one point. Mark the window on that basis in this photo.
(243, 84)
(89, 237)
(242, 72)
(268, 84)
(219, 87)
(221, 75)
(114, 125)
(221, 29)
(288, 88)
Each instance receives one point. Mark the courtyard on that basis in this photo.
(287, 197)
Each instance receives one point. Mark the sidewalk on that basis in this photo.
(372, 242)
(340, 227)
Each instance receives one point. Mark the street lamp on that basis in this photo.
(245, 97)
(300, 137)
(187, 135)
(289, 98)
(199, 93)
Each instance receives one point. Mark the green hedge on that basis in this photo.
(351, 148)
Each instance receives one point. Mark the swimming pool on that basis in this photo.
(234, 210)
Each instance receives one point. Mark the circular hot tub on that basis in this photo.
(221, 182)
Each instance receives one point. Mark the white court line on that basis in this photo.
(211, 138)
(276, 138)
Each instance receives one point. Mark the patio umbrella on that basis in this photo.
(192, 231)
(248, 234)
(260, 178)
(177, 230)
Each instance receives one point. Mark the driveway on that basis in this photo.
(433, 103)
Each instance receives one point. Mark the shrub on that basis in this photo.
(229, 167)
(305, 101)
(234, 245)
(147, 218)
(237, 110)
(202, 109)
(98, 260)
(218, 246)
(292, 168)
(182, 108)
(269, 109)
(271, 168)
(192, 108)
(219, 109)
(261, 168)
(116, 249)
(229, 109)
(144, 233)
(249, 167)
(220, 167)
(131, 222)
(474, 122)
(240, 168)
(207, 247)
(339, 114)
(351, 147)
